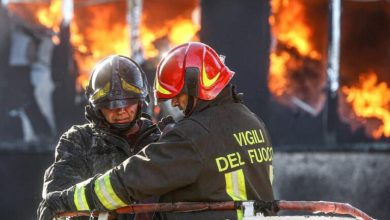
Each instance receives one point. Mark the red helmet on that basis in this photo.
(191, 68)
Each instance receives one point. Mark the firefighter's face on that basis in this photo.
(180, 101)
(120, 115)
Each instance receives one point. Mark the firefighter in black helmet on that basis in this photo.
(117, 128)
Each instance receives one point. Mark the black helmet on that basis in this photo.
(116, 81)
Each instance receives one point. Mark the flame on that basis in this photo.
(161, 32)
(51, 17)
(106, 32)
(277, 81)
(177, 31)
(291, 28)
(47, 14)
(292, 51)
(370, 102)
(97, 31)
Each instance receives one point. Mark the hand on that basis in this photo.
(52, 204)
(44, 211)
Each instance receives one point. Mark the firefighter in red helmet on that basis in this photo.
(220, 150)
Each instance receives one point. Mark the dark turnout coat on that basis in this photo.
(86, 150)
(222, 152)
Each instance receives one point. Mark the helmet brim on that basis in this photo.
(121, 103)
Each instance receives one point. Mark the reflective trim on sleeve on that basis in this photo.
(235, 188)
(79, 198)
(106, 194)
(271, 174)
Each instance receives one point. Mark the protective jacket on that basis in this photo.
(222, 152)
(86, 150)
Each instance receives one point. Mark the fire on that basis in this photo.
(295, 63)
(47, 14)
(98, 30)
(370, 102)
(290, 27)
(51, 17)
(162, 31)
(177, 31)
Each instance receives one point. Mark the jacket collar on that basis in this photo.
(227, 95)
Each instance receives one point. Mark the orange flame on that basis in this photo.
(370, 101)
(178, 31)
(178, 26)
(51, 17)
(46, 14)
(278, 83)
(106, 32)
(97, 31)
(290, 28)
(293, 45)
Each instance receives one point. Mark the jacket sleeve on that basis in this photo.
(69, 166)
(169, 164)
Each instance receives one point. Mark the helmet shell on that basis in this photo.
(175, 72)
(116, 82)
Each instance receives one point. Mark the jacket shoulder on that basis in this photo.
(77, 130)
(192, 128)
(77, 137)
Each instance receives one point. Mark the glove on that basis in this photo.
(52, 204)
(166, 124)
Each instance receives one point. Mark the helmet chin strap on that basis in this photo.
(190, 106)
(122, 128)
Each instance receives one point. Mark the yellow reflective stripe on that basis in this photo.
(161, 89)
(271, 173)
(106, 194)
(79, 198)
(207, 82)
(101, 92)
(129, 87)
(112, 193)
(235, 188)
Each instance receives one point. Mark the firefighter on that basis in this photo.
(117, 128)
(220, 150)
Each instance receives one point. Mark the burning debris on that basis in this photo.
(300, 85)
(297, 76)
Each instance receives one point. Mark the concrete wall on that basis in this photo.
(21, 184)
(360, 179)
